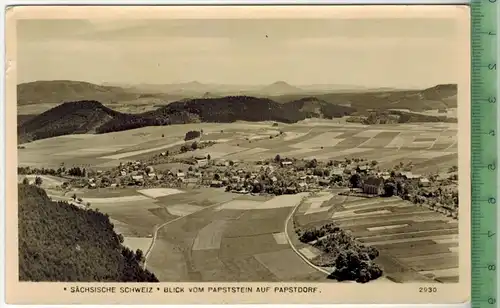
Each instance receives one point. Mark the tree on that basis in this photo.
(257, 188)
(313, 163)
(26, 181)
(193, 134)
(318, 172)
(390, 189)
(209, 157)
(374, 163)
(38, 181)
(355, 180)
(277, 158)
(217, 177)
(139, 255)
(162, 135)
(74, 196)
(194, 145)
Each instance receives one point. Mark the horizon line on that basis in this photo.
(112, 83)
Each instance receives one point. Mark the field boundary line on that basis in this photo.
(437, 138)
(294, 248)
(155, 234)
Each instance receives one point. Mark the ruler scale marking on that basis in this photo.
(484, 29)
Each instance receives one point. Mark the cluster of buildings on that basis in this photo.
(273, 176)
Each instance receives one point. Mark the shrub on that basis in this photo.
(193, 134)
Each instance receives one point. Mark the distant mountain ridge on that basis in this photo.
(59, 91)
(280, 88)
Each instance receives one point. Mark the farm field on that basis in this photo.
(415, 243)
(206, 234)
(212, 235)
(430, 146)
(236, 240)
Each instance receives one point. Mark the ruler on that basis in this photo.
(484, 157)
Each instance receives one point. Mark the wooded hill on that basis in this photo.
(93, 117)
(60, 242)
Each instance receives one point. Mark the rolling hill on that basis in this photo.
(68, 118)
(313, 107)
(93, 117)
(440, 96)
(60, 242)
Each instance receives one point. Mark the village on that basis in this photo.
(276, 176)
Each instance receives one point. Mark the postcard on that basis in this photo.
(245, 154)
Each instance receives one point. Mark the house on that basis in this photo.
(216, 184)
(242, 191)
(291, 190)
(201, 161)
(410, 176)
(286, 163)
(324, 182)
(180, 174)
(191, 181)
(337, 171)
(123, 173)
(424, 182)
(92, 185)
(373, 186)
(138, 179)
(303, 186)
(274, 179)
(152, 175)
(363, 169)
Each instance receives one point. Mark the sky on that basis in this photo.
(374, 52)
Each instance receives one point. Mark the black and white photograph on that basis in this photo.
(241, 149)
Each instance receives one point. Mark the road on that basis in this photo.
(158, 228)
(229, 245)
